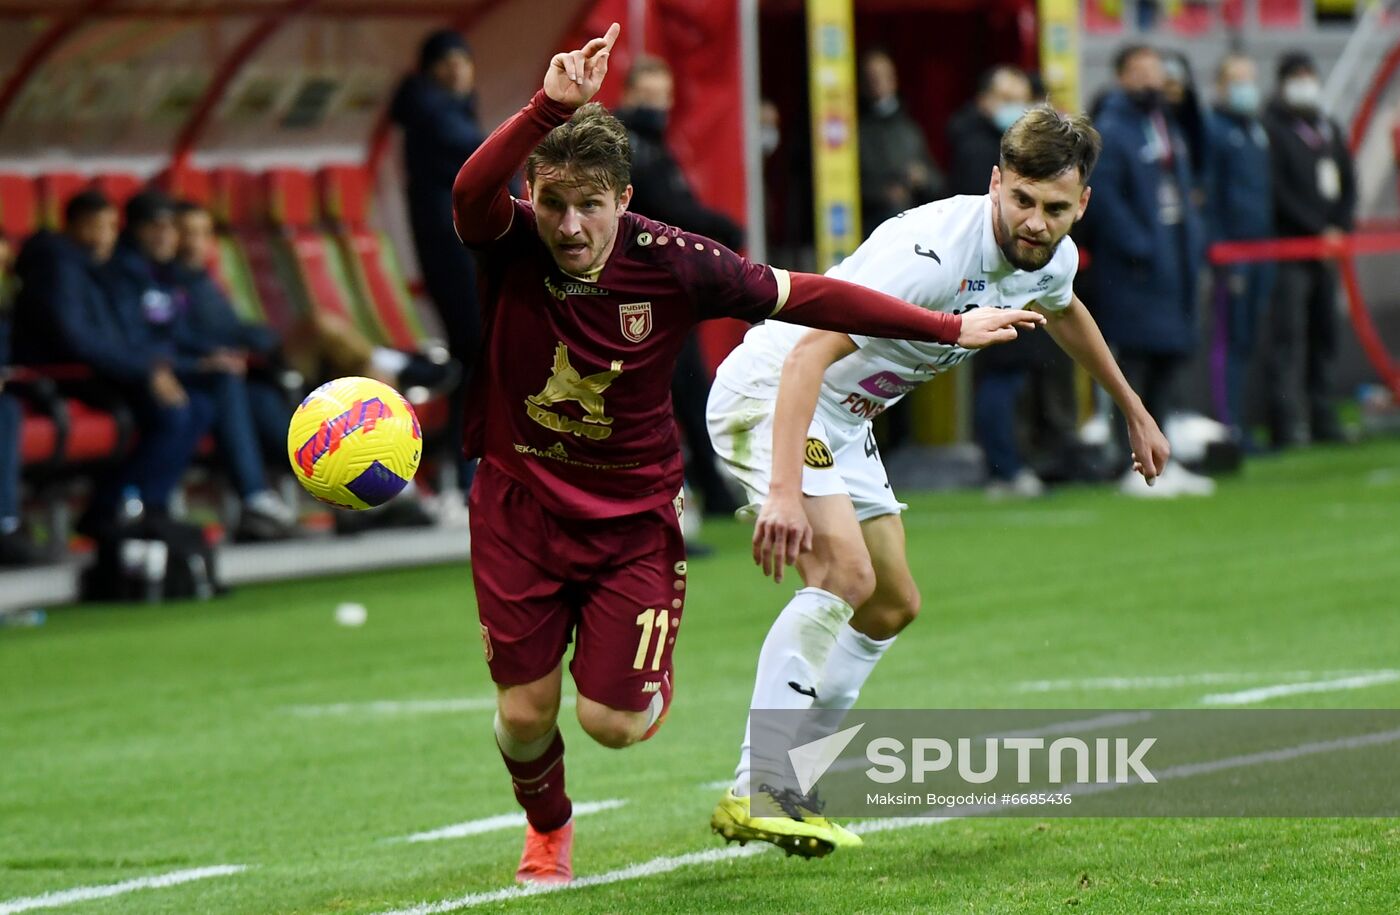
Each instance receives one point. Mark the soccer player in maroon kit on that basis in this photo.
(575, 511)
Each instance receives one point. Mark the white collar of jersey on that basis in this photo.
(994, 262)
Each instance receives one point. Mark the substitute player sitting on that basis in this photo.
(575, 513)
(805, 451)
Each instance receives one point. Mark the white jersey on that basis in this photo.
(941, 256)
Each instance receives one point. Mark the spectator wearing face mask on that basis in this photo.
(1182, 103)
(1239, 207)
(660, 190)
(1149, 247)
(974, 131)
(1314, 193)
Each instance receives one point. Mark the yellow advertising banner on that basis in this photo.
(832, 94)
(1059, 52)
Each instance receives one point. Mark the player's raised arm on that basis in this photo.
(1075, 330)
(481, 206)
(831, 304)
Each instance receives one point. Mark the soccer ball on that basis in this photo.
(354, 443)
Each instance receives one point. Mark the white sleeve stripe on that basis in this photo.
(784, 289)
(508, 224)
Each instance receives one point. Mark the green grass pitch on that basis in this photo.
(140, 741)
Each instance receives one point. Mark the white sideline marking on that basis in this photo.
(665, 865)
(1169, 682)
(1264, 693)
(84, 893)
(405, 707)
(502, 821)
(631, 872)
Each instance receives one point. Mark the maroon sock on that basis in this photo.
(539, 787)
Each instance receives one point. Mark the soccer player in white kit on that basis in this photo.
(790, 415)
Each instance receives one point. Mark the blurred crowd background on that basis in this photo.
(162, 315)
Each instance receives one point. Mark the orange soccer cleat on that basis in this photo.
(548, 856)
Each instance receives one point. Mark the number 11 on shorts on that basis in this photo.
(650, 619)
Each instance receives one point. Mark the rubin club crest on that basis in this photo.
(636, 320)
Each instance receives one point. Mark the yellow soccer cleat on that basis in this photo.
(802, 832)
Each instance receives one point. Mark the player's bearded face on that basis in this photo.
(1032, 217)
(577, 219)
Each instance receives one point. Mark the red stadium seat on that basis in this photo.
(235, 201)
(192, 184)
(55, 190)
(38, 440)
(345, 192)
(312, 268)
(118, 186)
(19, 207)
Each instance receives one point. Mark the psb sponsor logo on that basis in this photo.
(636, 320)
(888, 384)
(971, 285)
(818, 455)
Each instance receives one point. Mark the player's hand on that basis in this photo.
(986, 326)
(781, 534)
(574, 77)
(1150, 447)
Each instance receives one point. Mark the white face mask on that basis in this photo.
(1303, 93)
(768, 138)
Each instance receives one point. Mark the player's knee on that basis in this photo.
(889, 612)
(613, 728)
(852, 579)
(526, 717)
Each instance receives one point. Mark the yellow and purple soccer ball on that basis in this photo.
(354, 443)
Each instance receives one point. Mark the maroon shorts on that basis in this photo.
(615, 586)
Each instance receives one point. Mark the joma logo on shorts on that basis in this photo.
(651, 687)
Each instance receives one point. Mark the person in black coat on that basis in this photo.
(1314, 193)
(660, 191)
(15, 548)
(1239, 207)
(65, 313)
(435, 107)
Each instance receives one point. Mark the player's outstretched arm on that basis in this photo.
(1075, 330)
(831, 304)
(481, 206)
(782, 531)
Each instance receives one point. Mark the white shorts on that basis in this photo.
(841, 459)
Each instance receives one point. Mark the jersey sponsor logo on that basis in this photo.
(888, 384)
(971, 285)
(565, 385)
(568, 288)
(636, 320)
(862, 406)
(818, 455)
(556, 452)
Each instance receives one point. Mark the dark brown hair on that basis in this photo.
(591, 146)
(1045, 142)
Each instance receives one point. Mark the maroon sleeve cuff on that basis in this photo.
(830, 304)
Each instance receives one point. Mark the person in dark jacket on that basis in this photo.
(15, 548)
(660, 190)
(1149, 246)
(435, 108)
(212, 321)
(1239, 207)
(974, 136)
(1314, 192)
(896, 170)
(64, 314)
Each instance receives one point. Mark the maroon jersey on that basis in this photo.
(575, 378)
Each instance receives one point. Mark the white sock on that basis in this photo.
(794, 652)
(848, 667)
(521, 750)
